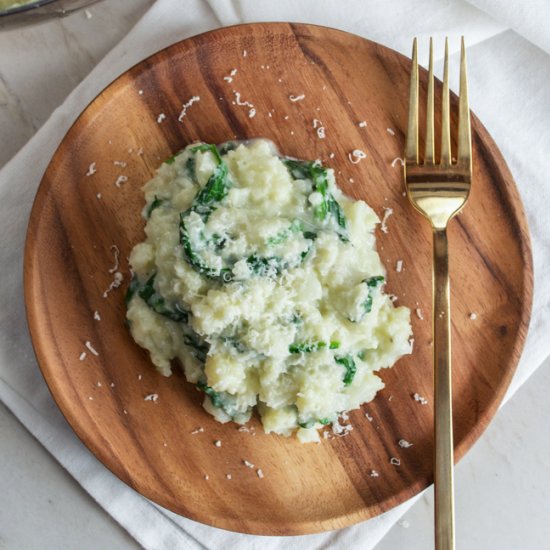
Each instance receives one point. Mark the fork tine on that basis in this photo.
(445, 117)
(411, 147)
(430, 147)
(464, 154)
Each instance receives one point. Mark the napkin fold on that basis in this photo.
(509, 73)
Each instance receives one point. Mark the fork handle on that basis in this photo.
(443, 448)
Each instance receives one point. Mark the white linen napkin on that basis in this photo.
(509, 70)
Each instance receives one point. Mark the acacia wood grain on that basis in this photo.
(76, 219)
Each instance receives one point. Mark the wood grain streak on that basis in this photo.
(496, 273)
(151, 445)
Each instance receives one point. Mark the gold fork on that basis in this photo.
(439, 192)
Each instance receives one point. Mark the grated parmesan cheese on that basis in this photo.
(399, 266)
(229, 78)
(151, 397)
(239, 102)
(387, 213)
(248, 464)
(97, 316)
(318, 125)
(374, 473)
(116, 253)
(218, 443)
(160, 118)
(198, 430)
(356, 156)
(120, 163)
(186, 106)
(259, 473)
(341, 430)
(228, 476)
(395, 461)
(116, 282)
(422, 400)
(397, 160)
(390, 131)
(91, 169)
(98, 195)
(295, 98)
(88, 344)
(362, 124)
(120, 180)
(473, 316)
(404, 444)
(82, 356)
(419, 313)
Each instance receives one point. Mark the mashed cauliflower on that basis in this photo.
(262, 280)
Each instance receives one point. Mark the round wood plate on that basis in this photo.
(78, 219)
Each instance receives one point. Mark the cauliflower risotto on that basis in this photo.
(261, 278)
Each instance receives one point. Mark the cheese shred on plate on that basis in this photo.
(261, 279)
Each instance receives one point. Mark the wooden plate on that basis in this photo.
(77, 220)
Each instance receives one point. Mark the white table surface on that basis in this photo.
(502, 485)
